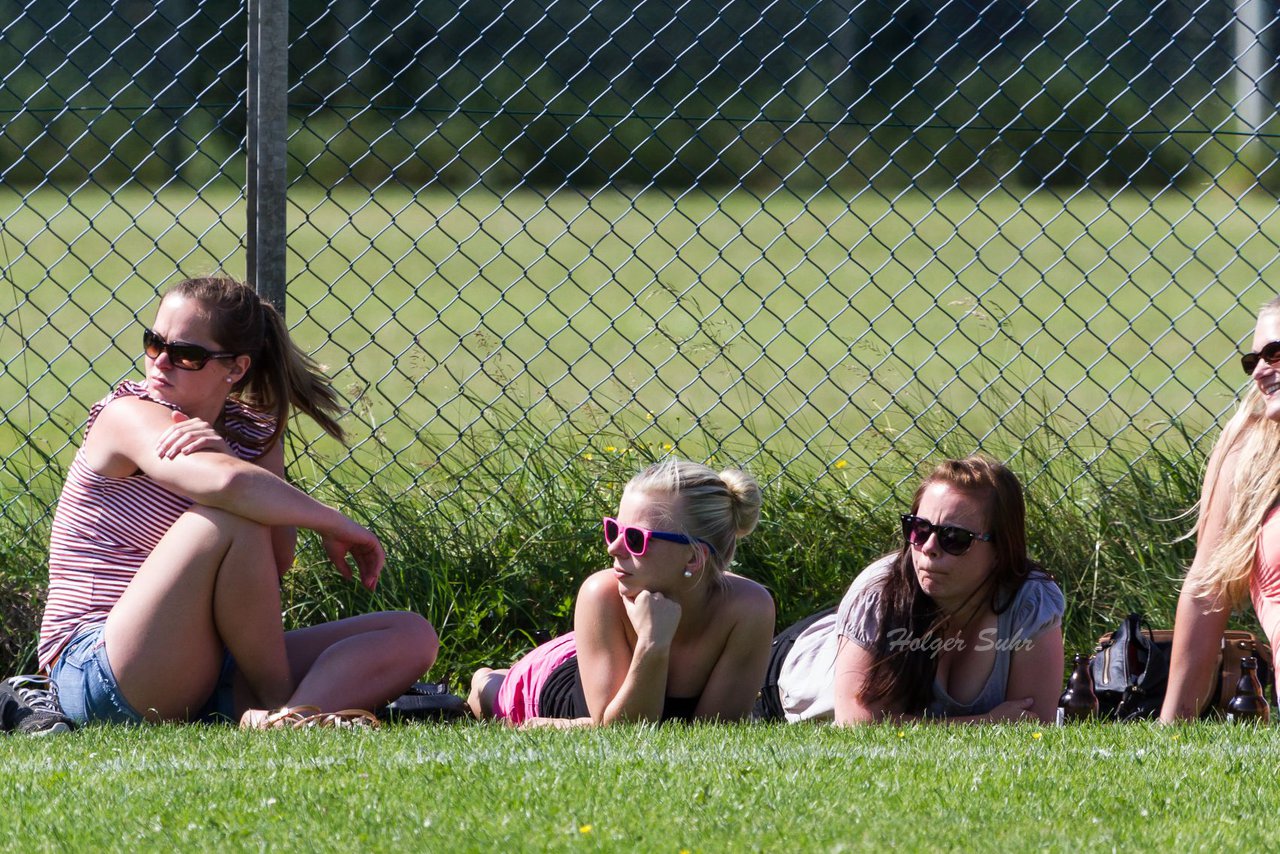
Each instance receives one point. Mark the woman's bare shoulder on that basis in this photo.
(599, 592)
(598, 582)
(122, 431)
(748, 597)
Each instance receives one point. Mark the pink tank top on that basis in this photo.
(1264, 586)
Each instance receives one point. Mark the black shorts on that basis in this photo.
(561, 695)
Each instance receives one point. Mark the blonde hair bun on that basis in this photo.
(747, 499)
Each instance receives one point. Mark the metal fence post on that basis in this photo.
(1252, 63)
(267, 101)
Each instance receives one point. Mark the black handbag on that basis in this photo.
(1130, 669)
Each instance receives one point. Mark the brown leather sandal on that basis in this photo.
(345, 719)
(287, 717)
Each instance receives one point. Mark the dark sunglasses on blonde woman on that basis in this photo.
(1269, 354)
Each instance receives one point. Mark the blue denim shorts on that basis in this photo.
(87, 689)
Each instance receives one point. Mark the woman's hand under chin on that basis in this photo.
(654, 617)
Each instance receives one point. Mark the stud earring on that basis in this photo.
(230, 380)
(688, 574)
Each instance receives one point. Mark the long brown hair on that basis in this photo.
(280, 375)
(908, 673)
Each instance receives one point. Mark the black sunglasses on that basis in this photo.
(1269, 354)
(188, 357)
(952, 540)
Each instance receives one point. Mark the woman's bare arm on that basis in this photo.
(621, 681)
(1199, 622)
(124, 440)
(735, 680)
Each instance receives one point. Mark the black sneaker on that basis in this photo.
(29, 704)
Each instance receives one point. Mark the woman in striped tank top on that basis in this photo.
(176, 523)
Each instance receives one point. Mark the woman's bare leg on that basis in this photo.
(209, 587)
(556, 723)
(484, 691)
(361, 662)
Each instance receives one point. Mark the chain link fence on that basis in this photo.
(804, 237)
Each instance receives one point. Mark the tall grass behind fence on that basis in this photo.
(827, 241)
(492, 567)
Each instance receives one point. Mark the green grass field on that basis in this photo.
(468, 787)
(834, 346)
(810, 327)
(707, 327)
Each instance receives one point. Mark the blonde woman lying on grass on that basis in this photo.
(1237, 534)
(666, 631)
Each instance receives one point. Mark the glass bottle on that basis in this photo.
(1078, 702)
(1248, 704)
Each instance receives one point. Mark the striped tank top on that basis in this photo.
(105, 527)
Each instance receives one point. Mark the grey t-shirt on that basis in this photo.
(806, 680)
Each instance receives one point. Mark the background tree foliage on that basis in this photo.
(836, 92)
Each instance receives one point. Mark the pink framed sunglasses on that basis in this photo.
(636, 539)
